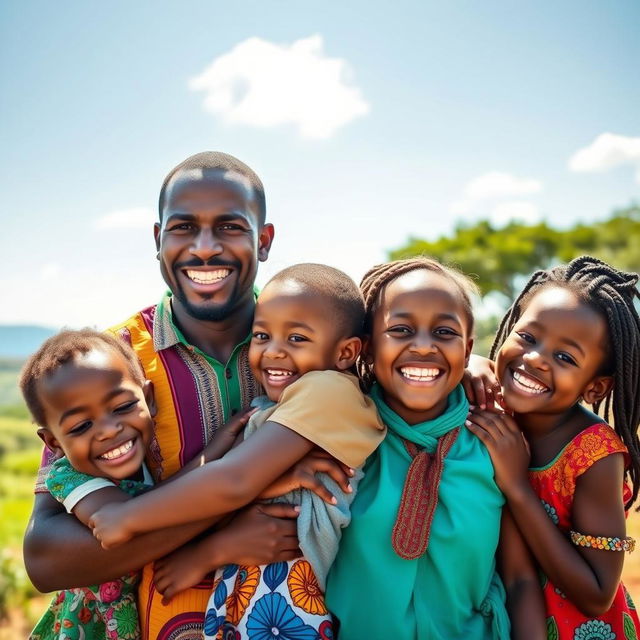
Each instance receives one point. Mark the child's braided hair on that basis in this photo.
(611, 293)
(378, 277)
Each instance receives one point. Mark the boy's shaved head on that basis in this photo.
(335, 288)
(216, 161)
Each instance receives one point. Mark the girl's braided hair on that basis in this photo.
(611, 293)
(378, 277)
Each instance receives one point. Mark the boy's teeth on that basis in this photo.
(279, 372)
(120, 451)
(529, 385)
(420, 374)
(207, 277)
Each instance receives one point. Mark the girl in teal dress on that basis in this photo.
(419, 558)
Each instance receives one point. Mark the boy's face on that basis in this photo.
(294, 333)
(97, 415)
(210, 241)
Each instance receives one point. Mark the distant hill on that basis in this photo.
(19, 341)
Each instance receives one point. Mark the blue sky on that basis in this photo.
(367, 121)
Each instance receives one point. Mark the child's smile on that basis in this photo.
(293, 333)
(97, 415)
(555, 350)
(419, 344)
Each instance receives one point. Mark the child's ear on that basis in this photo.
(150, 397)
(468, 351)
(50, 441)
(597, 389)
(348, 352)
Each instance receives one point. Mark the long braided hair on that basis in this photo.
(378, 277)
(611, 293)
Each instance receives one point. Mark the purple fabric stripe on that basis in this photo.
(185, 398)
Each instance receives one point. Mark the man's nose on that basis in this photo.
(206, 245)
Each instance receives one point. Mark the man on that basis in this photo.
(193, 346)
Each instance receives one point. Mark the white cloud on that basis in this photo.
(264, 84)
(496, 184)
(133, 218)
(50, 271)
(608, 150)
(490, 188)
(526, 212)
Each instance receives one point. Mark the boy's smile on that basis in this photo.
(97, 415)
(293, 333)
(419, 344)
(555, 350)
(209, 242)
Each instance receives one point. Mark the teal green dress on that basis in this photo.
(452, 590)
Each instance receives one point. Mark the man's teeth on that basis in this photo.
(528, 384)
(419, 374)
(119, 451)
(207, 277)
(279, 373)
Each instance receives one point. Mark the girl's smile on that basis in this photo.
(420, 343)
(554, 352)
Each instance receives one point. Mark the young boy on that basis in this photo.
(305, 337)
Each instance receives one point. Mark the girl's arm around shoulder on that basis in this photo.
(516, 566)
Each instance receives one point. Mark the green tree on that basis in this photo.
(496, 256)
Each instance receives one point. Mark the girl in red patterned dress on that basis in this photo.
(571, 338)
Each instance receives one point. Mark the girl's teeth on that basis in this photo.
(116, 453)
(526, 383)
(279, 373)
(207, 277)
(419, 374)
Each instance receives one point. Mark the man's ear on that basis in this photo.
(264, 241)
(597, 389)
(156, 236)
(50, 441)
(468, 352)
(150, 397)
(348, 351)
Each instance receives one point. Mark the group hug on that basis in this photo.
(321, 460)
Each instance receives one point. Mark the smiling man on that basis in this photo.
(193, 346)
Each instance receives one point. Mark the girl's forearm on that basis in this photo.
(557, 556)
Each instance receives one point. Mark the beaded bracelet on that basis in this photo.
(602, 542)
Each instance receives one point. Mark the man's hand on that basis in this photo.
(303, 476)
(109, 525)
(507, 447)
(259, 534)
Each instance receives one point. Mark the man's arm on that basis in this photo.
(61, 553)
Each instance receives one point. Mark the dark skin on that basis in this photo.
(223, 224)
(557, 350)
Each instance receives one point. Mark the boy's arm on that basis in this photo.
(525, 603)
(215, 488)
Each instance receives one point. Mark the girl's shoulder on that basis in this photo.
(593, 443)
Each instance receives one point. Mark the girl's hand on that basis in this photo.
(506, 444)
(481, 385)
(303, 476)
(226, 436)
(109, 525)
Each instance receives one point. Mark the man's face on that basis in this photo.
(210, 241)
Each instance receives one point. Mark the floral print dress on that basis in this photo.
(107, 611)
(555, 485)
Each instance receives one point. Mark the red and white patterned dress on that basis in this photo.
(555, 485)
